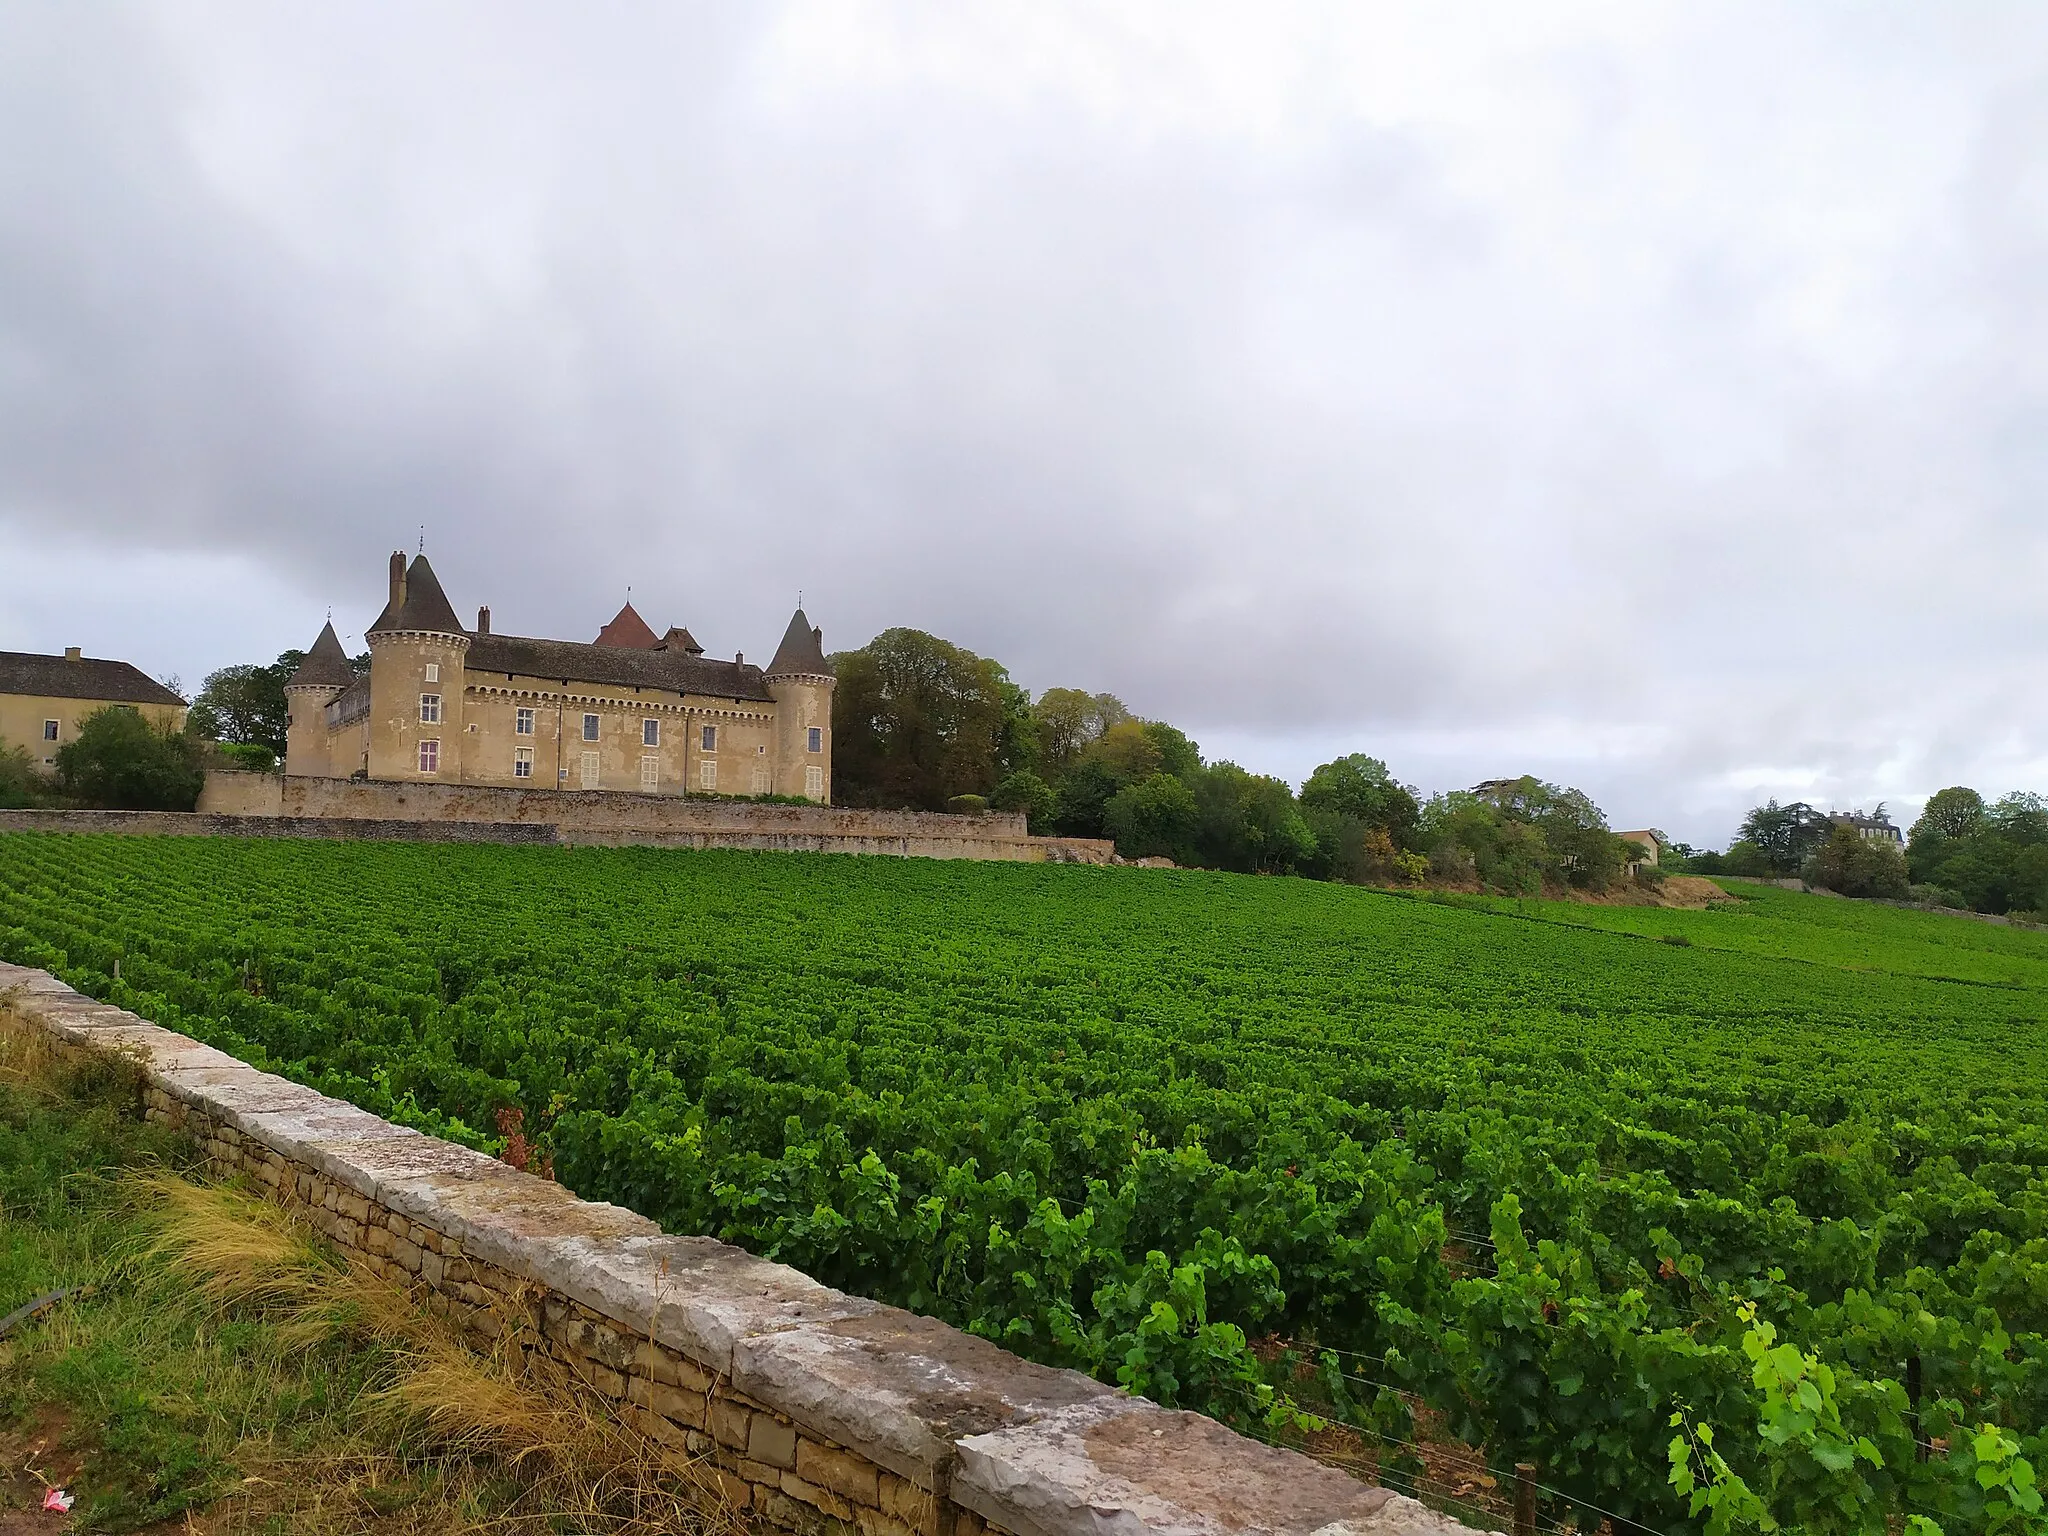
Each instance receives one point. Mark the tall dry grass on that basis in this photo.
(508, 1412)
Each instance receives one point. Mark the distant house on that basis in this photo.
(1876, 827)
(43, 698)
(1651, 841)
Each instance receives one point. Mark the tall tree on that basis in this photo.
(1068, 720)
(1953, 812)
(1785, 834)
(1362, 788)
(915, 721)
(246, 703)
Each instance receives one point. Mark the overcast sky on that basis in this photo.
(1653, 398)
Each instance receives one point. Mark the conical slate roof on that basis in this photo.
(425, 607)
(326, 665)
(802, 651)
(628, 631)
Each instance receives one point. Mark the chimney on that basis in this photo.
(483, 621)
(71, 653)
(739, 658)
(819, 636)
(397, 579)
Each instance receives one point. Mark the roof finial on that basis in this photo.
(423, 538)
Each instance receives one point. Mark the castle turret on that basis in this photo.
(417, 650)
(800, 681)
(321, 677)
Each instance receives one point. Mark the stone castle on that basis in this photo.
(631, 711)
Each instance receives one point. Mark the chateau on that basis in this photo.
(631, 711)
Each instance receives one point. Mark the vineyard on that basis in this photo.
(1718, 1218)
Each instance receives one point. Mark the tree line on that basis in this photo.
(920, 723)
(1964, 852)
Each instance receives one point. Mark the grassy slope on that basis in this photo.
(1823, 930)
(160, 1412)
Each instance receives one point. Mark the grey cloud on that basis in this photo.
(1619, 403)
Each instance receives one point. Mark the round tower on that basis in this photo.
(319, 681)
(417, 650)
(800, 681)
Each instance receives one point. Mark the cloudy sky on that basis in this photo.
(1654, 398)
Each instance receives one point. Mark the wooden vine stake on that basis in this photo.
(1525, 1498)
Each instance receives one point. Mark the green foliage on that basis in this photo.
(1516, 1163)
(1994, 857)
(1067, 720)
(1522, 836)
(1854, 865)
(1249, 823)
(1153, 818)
(246, 704)
(1361, 789)
(1782, 836)
(1025, 791)
(916, 721)
(250, 757)
(22, 780)
(1953, 812)
(120, 761)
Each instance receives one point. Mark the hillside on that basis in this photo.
(1339, 1117)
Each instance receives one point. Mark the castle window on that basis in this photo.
(814, 783)
(433, 671)
(650, 733)
(707, 775)
(49, 730)
(650, 771)
(522, 762)
(430, 709)
(522, 722)
(589, 770)
(816, 738)
(590, 727)
(710, 738)
(430, 757)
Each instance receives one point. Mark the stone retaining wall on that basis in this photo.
(202, 824)
(815, 1412)
(617, 817)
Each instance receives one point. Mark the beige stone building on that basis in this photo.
(631, 711)
(43, 698)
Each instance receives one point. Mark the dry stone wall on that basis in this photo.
(815, 1412)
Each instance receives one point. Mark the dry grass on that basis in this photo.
(504, 1418)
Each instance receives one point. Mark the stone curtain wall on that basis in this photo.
(202, 824)
(610, 817)
(815, 1412)
(597, 810)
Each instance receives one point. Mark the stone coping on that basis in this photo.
(1029, 1449)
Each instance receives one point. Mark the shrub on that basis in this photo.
(22, 782)
(1937, 896)
(1153, 819)
(119, 761)
(1025, 791)
(248, 756)
(1855, 865)
(968, 805)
